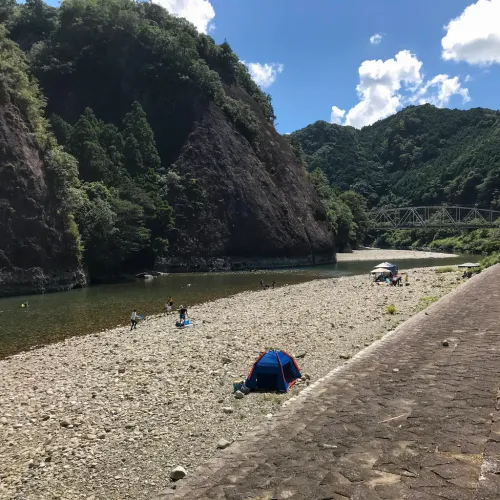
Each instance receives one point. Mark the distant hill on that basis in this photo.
(421, 155)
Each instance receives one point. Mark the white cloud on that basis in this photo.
(337, 115)
(264, 75)
(439, 91)
(379, 83)
(386, 86)
(199, 12)
(468, 78)
(474, 36)
(376, 39)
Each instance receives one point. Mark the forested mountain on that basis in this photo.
(420, 156)
(37, 185)
(160, 148)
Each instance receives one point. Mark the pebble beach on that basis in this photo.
(108, 416)
(388, 254)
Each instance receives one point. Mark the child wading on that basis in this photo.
(168, 306)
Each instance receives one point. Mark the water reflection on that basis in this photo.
(55, 316)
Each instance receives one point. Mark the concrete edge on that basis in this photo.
(220, 459)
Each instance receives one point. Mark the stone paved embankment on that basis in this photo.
(407, 418)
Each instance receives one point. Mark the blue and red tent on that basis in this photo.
(274, 370)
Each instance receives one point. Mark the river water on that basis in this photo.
(53, 317)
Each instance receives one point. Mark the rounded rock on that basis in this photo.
(223, 443)
(177, 473)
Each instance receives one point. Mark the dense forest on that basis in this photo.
(420, 156)
(156, 147)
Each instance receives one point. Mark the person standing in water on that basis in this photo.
(133, 320)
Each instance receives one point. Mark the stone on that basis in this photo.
(239, 395)
(3, 420)
(301, 355)
(64, 422)
(226, 360)
(395, 370)
(344, 356)
(177, 473)
(445, 343)
(223, 443)
(227, 409)
(121, 369)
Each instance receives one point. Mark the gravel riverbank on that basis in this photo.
(390, 255)
(106, 416)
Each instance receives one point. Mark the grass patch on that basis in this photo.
(491, 260)
(274, 399)
(446, 269)
(391, 309)
(426, 302)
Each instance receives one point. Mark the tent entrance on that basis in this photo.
(267, 381)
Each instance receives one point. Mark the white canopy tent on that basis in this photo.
(381, 270)
(385, 265)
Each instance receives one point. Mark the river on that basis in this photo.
(56, 316)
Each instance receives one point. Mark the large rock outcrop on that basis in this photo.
(35, 255)
(253, 205)
(241, 198)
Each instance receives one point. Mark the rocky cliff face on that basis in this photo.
(251, 203)
(34, 253)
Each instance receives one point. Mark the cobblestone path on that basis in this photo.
(408, 418)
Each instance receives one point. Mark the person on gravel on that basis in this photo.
(133, 320)
(182, 315)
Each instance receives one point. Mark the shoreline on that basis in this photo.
(110, 414)
(391, 254)
(19, 289)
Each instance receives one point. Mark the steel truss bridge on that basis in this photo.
(433, 217)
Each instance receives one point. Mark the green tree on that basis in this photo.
(33, 22)
(87, 142)
(360, 220)
(347, 227)
(7, 10)
(140, 147)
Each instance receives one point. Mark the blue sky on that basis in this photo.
(313, 55)
(321, 45)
